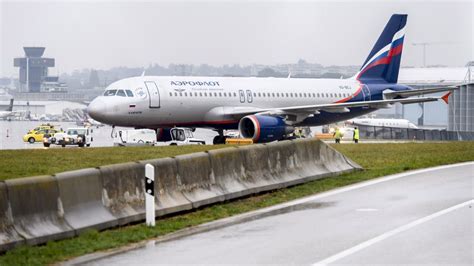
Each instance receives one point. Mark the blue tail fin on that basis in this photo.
(383, 62)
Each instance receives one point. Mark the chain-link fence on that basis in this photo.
(374, 132)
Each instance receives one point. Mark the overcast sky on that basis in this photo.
(101, 35)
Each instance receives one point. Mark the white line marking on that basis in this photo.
(357, 186)
(366, 210)
(391, 233)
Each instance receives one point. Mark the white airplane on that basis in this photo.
(264, 109)
(380, 122)
(8, 112)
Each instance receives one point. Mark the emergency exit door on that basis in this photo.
(153, 93)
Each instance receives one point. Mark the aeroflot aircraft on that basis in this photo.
(264, 109)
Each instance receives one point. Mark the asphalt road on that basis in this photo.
(425, 217)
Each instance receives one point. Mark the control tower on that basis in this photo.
(33, 68)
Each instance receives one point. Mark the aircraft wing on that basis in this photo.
(306, 110)
(389, 94)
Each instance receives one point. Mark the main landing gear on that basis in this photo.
(220, 139)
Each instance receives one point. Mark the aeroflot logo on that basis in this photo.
(195, 83)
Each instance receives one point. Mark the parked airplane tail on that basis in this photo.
(383, 62)
(10, 107)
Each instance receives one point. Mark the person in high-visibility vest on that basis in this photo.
(356, 135)
(338, 135)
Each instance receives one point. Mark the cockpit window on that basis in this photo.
(110, 92)
(121, 93)
(129, 93)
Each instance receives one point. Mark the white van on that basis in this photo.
(135, 137)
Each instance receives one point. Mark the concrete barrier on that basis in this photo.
(196, 180)
(334, 161)
(9, 238)
(37, 211)
(229, 172)
(258, 175)
(168, 197)
(81, 196)
(123, 191)
(309, 162)
(40, 209)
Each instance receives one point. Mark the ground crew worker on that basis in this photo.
(297, 133)
(356, 135)
(338, 135)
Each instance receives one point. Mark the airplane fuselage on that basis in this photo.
(208, 101)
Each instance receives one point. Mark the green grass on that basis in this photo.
(377, 159)
(33, 162)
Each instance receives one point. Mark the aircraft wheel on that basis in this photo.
(219, 140)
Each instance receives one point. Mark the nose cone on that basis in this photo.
(97, 109)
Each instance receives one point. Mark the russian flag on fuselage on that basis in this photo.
(383, 62)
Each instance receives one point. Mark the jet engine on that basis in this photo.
(262, 128)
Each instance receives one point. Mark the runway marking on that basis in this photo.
(390, 233)
(366, 210)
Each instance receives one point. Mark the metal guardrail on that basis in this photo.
(375, 132)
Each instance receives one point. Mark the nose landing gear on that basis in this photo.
(220, 139)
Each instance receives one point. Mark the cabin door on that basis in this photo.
(153, 93)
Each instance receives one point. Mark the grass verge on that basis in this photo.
(377, 159)
(33, 162)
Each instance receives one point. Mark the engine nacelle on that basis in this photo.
(262, 128)
(163, 134)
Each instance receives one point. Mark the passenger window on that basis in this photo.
(175, 94)
(273, 94)
(287, 94)
(171, 94)
(110, 92)
(235, 94)
(129, 93)
(220, 94)
(121, 93)
(205, 94)
(254, 94)
(180, 94)
(225, 94)
(200, 94)
(317, 95)
(185, 94)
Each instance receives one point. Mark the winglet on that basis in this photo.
(446, 97)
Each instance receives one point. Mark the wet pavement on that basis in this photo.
(12, 132)
(421, 218)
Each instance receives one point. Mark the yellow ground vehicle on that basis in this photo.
(39, 133)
